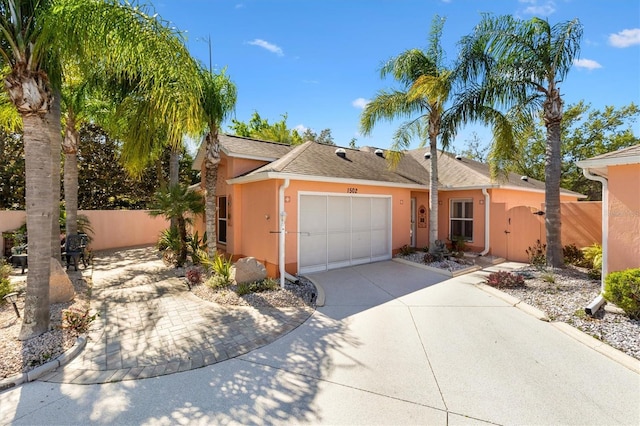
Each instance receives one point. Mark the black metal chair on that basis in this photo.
(74, 249)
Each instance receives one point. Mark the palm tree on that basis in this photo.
(176, 202)
(428, 98)
(517, 66)
(119, 38)
(218, 101)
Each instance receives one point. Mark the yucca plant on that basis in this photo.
(220, 265)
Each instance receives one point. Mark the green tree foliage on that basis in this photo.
(12, 171)
(475, 149)
(260, 128)
(178, 202)
(586, 132)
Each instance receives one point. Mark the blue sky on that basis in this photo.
(318, 60)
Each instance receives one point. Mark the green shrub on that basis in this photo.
(573, 255)
(220, 265)
(406, 250)
(217, 281)
(425, 249)
(537, 254)
(257, 286)
(77, 320)
(197, 248)
(594, 274)
(5, 288)
(504, 279)
(593, 255)
(429, 258)
(458, 243)
(623, 289)
(548, 277)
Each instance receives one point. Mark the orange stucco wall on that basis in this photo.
(624, 217)
(112, 228)
(444, 209)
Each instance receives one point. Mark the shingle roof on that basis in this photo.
(319, 160)
(238, 146)
(600, 163)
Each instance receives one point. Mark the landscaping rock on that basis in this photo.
(247, 270)
(60, 286)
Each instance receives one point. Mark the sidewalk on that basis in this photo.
(151, 325)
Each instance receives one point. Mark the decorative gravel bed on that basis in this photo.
(564, 300)
(301, 294)
(22, 356)
(452, 264)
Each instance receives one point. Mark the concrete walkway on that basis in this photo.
(393, 345)
(151, 325)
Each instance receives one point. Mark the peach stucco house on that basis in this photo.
(340, 206)
(619, 173)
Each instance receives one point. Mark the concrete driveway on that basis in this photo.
(392, 345)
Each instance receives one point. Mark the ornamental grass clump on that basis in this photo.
(622, 288)
(504, 279)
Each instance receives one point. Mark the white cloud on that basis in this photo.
(360, 103)
(625, 38)
(300, 128)
(544, 9)
(266, 45)
(589, 64)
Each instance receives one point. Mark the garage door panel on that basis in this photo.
(338, 231)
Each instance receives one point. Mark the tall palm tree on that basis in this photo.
(218, 102)
(121, 39)
(429, 99)
(517, 66)
(176, 202)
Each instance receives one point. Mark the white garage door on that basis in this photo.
(337, 231)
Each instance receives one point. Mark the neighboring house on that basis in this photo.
(619, 173)
(341, 206)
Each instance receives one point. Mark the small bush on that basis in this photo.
(504, 279)
(5, 288)
(548, 277)
(425, 249)
(217, 281)
(257, 286)
(573, 255)
(77, 320)
(458, 243)
(537, 254)
(194, 276)
(594, 274)
(220, 265)
(406, 250)
(429, 258)
(593, 255)
(622, 288)
(5, 269)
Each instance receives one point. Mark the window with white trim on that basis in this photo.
(461, 219)
(222, 220)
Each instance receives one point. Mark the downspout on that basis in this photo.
(487, 221)
(597, 303)
(283, 218)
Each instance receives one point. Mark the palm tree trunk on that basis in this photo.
(182, 229)
(70, 146)
(433, 193)
(174, 173)
(37, 147)
(211, 162)
(553, 119)
(55, 136)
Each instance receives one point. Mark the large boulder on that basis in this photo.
(247, 270)
(60, 286)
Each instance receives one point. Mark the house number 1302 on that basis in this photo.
(352, 190)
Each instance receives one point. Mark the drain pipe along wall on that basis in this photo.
(593, 307)
(282, 234)
(487, 221)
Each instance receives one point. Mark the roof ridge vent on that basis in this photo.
(340, 152)
(379, 153)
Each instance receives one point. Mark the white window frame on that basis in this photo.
(463, 219)
(222, 219)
